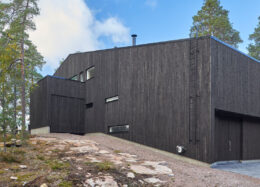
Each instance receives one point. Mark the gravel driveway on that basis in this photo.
(186, 172)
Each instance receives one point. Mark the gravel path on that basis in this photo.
(186, 172)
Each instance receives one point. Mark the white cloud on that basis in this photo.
(66, 26)
(151, 3)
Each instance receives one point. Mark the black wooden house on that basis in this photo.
(198, 93)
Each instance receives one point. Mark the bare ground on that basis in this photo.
(102, 160)
(187, 172)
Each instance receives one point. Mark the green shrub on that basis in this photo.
(104, 166)
(10, 157)
(40, 157)
(57, 165)
(65, 184)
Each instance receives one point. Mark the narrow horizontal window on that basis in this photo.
(118, 129)
(111, 99)
(81, 77)
(75, 78)
(90, 73)
(89, 105)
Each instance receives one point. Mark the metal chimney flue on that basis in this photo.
(134, 39)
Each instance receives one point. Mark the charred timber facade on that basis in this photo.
(198, 93)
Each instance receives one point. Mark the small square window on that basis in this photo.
(89, 105)
(90, 73)
(111, 99)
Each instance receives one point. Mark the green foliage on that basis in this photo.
(10, 157)
(40, 157)
(57, 165)
(19, 62)
(104, 166)
(26, 177)
(213, 20)
(254, 48)
(66, 184)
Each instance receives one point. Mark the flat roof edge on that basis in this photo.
(230, 46)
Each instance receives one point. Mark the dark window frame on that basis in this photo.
(81, 74)
(86, 76)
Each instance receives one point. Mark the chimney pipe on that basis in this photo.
(134, 39)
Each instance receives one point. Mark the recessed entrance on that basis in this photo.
(228, 138)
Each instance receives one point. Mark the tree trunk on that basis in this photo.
(22, 89)
(23, 76)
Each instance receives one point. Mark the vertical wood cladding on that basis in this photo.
(38, 105)
(236, 89)
(251, 138)
(228, 138)
(58, 99)
(168, 93)
(154, 85)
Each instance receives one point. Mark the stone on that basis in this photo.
(23, 166)
(130, 160)
(107, 181)
(79, 168)
(125, 185)
(88, 175)
(127, 155)
(142, 170)
(153, 180)
(44, 185)
(151, 168)
(130, 175)
(103, 152)
(13, 178)
(84, 149)
(24, 183)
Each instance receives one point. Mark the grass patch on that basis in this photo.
(66, 184)
(25, 177)
(55, 150)
(18, 151)
(89, 163)
(105, 166)
(10, 157)
(57, 165)
(117, 151)
(40, 157)
(2, 172)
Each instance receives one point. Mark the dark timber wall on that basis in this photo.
(155, 84)
(56, 103)
(198, 93)
(236, 92)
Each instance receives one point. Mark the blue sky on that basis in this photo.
(158, 20)
(152, 20)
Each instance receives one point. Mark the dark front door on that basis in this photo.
(67, 114)
(228, 138)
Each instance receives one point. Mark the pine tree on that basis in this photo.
(213, 20)
(15, 20)
(254, 48)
